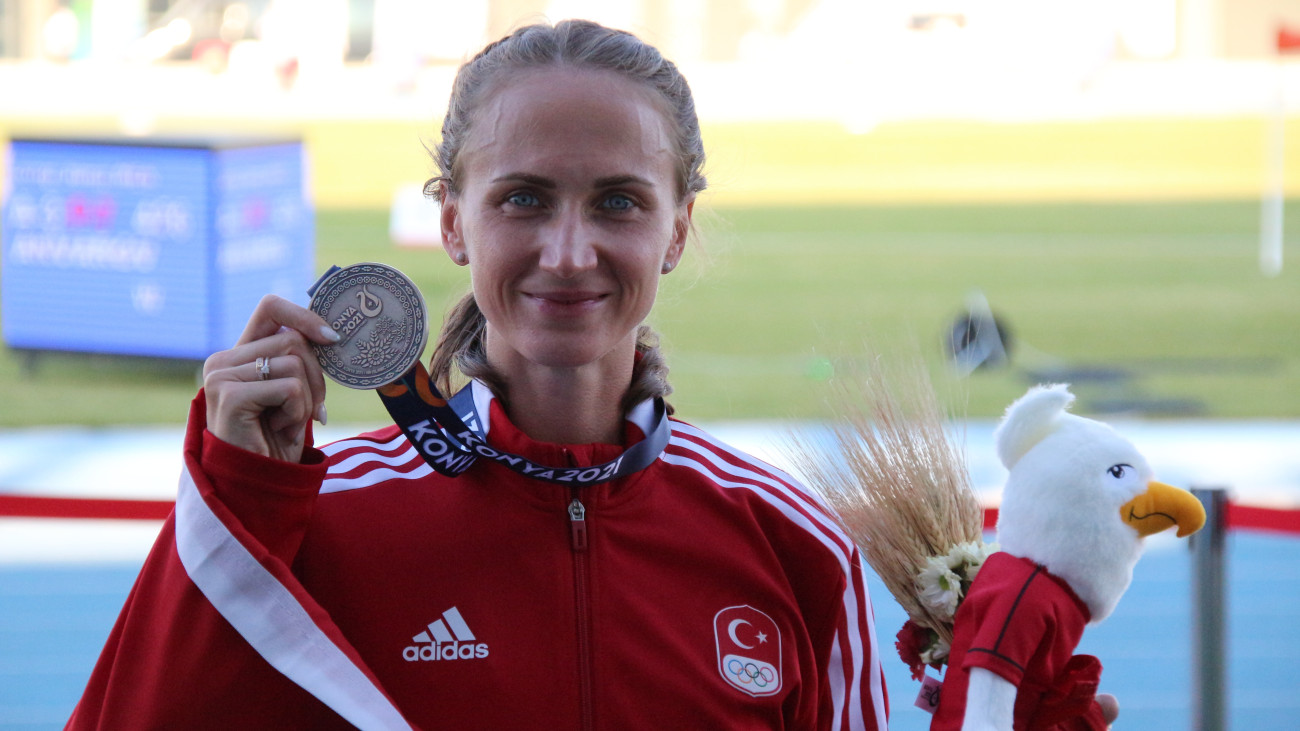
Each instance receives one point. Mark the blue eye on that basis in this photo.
(523, 200)
(1118, 470)
(619, 202)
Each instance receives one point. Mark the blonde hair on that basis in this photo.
(577, 44)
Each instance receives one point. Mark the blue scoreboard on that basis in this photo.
(156, 247)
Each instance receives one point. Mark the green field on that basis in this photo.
(1165, 298)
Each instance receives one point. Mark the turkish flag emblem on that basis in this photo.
(749, 650)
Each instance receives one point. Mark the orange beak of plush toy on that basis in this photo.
(1163, 506)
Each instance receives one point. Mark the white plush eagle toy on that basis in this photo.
(1078, 502)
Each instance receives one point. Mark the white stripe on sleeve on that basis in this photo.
(370, 445)
(803, 513)
(270, 618)
(373, 477)
(795, 516)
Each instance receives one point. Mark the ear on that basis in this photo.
(681, 231)
(453, 240)
(1031, 418)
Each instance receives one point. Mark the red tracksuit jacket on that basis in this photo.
(706, 591)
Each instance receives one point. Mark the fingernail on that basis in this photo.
(321, 416)
(330, 334)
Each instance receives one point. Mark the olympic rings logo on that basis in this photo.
(749, 672)
(749, 650)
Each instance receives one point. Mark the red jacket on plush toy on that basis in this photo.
(1077, 504)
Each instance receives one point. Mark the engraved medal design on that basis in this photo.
(381, 317)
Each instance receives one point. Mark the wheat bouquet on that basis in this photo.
(900, 487)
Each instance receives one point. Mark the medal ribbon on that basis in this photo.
(451, 444)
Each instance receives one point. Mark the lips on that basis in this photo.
(569, 298)
(567, 301)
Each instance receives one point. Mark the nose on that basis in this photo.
(568, 243)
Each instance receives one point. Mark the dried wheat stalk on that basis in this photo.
(901, 490)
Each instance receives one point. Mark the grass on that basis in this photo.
(1167, 295)
(1169, 292)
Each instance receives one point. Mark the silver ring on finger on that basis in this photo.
(263, 366)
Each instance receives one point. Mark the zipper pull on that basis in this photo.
(578, 524)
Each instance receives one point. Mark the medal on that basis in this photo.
(381, 318)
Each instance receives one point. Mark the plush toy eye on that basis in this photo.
(1118, 470)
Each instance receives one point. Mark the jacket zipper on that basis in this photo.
(578, 525)
(582, 601)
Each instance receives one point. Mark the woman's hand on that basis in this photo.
(1109, 707)
(262, 392)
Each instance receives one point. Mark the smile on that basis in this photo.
(567, 300)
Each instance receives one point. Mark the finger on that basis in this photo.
(290, 374)
(273, 313)
(244, 389)
(243, 359)
(267, 417)
(307, 367)
(1109, 707)
(285, 445)
(287, 406)
(299, 365)
(283, 405)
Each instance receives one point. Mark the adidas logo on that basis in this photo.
(447, 638)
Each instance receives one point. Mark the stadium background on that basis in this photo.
(1097, 170)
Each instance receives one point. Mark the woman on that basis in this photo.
(307, 588)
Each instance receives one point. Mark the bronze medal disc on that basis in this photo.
(381, 318)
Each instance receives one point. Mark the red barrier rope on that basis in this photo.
(1251, 517)
(31, 506)
(1243, 517)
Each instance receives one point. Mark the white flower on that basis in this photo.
(967, 552)
(940, 587)
(969, 557)
(937, 651)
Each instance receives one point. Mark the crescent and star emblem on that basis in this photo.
(731, 631)
(748, 643)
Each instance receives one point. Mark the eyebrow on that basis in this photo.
(528, 178)
(616, 180)
(544, 182)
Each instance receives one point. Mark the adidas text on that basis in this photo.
(446, 651)
(446, 638)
